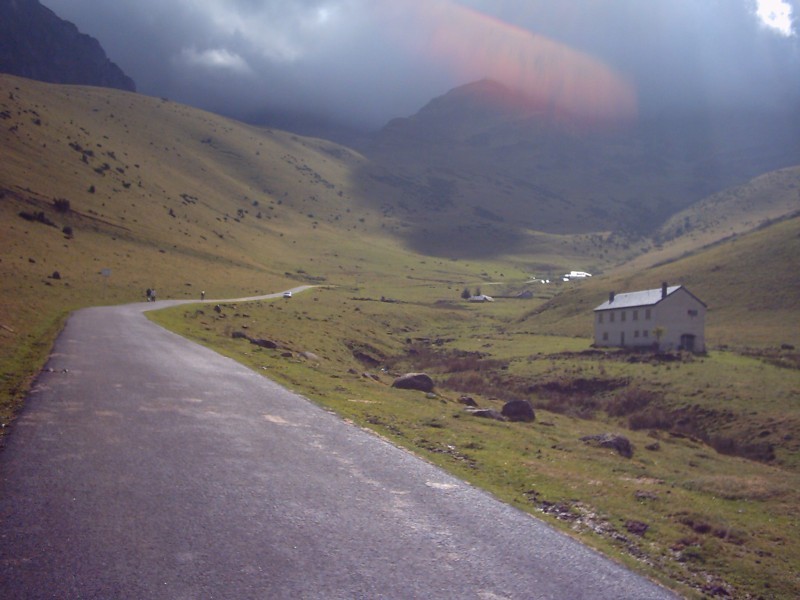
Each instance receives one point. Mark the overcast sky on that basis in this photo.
(367, 61)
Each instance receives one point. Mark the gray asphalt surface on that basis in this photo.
(146, 466)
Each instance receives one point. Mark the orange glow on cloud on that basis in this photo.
(561, 81)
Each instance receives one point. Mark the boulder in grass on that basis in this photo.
(611, 440)
(519, 410)
(414, 381)
(486, 413)
(262, 343)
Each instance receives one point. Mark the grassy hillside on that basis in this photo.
(750, 284)
(770, 197)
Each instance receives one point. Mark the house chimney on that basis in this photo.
(610, 297)
(663, 290)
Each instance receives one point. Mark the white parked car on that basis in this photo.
(287, 294)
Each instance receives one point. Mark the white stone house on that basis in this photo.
(671, 318)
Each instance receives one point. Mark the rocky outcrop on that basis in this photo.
(260, 342)
(37, 44)
(486, 413)
(414, 381)
(611, 440)
(468, 401)
(519, 410)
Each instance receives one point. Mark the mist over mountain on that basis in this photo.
(485, 153)
(37, 44)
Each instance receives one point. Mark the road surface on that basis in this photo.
(146, 466)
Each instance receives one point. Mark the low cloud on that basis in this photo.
(365, 61)
(218, 58)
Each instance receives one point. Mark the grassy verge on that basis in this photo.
(703, 522)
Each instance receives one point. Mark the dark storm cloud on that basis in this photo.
(366, 61)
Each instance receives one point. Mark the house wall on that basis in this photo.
(676, 315)
(627, 327)
(680, 314)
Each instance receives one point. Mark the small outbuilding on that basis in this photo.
(669, 318)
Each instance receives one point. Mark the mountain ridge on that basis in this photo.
(493, 151)
(37, 44)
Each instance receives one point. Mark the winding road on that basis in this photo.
(146, 466)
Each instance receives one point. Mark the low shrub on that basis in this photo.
(61, 205)
(629, 401)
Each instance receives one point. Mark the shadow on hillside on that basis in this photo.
(437, 217)
(480, 241)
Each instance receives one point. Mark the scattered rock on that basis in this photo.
(262, 343)
(611, 440)
(238, 335)
(645, 495)
(365, 358)
(55, 275)
(636, 527)
(310, 356)
(414, 381)
(486, 413)
(372, 376)
(654, 447)
(468, 401)
(519, 410)
(286, 354)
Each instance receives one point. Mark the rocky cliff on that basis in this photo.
(37, 44)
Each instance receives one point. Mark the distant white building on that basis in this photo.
(481, 298)
(576, 275)
(671, 318)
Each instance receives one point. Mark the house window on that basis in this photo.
(636, 315)
(646, 314)
(645, 333)
(611, 317)
(599, 317)
(605, 336)
(636, 333)
(692, 312)
(622, 316)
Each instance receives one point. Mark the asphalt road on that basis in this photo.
(146, 466)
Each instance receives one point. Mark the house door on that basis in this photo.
(622, 339)
(687, 342)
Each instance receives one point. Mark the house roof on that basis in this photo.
(636, 299)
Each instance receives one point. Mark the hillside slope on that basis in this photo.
(735, 211)
(750, 284)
